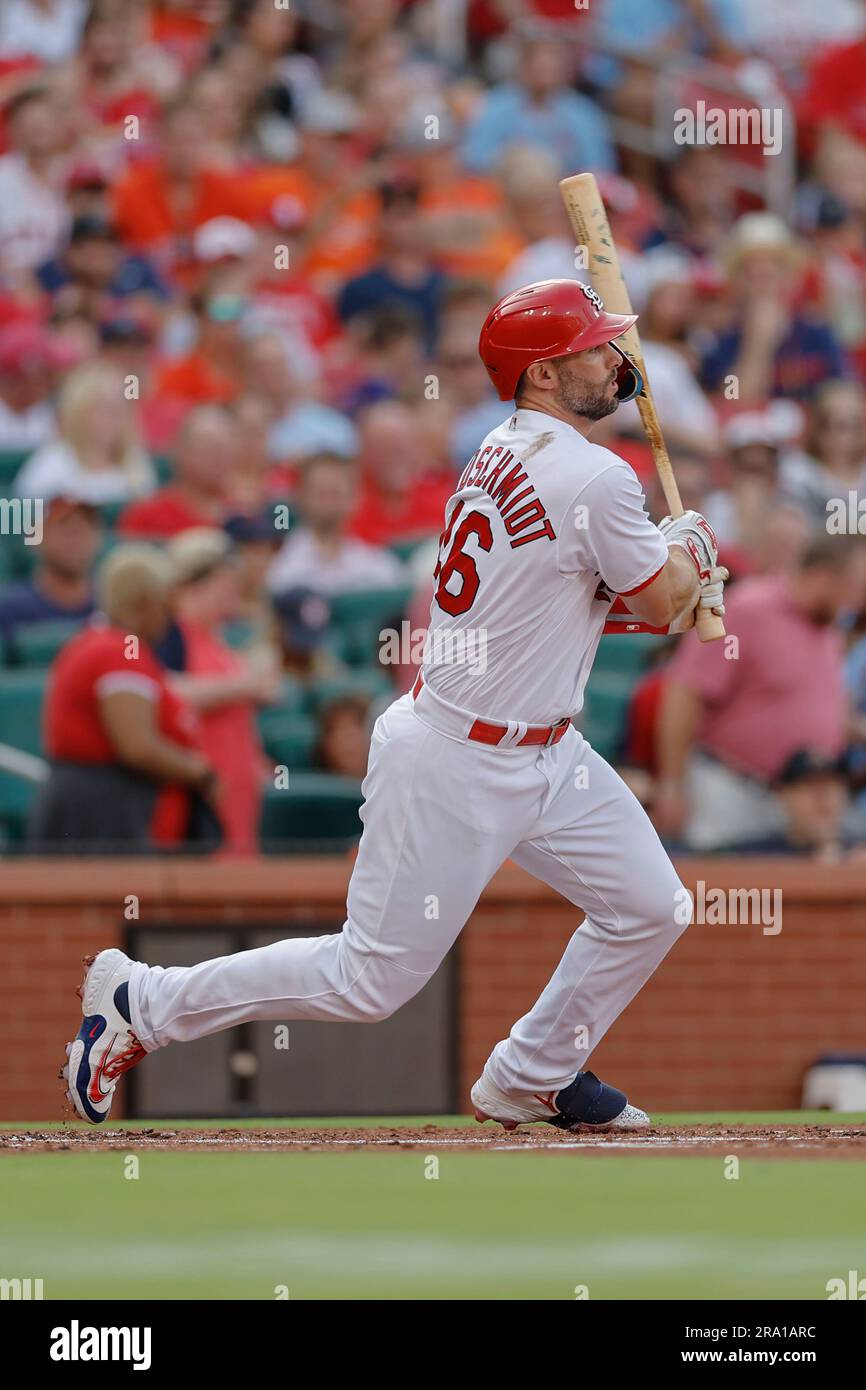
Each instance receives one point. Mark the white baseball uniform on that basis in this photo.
(543, 530)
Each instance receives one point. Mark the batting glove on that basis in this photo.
(695, 534)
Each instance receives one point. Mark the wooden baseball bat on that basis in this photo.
(588, 219)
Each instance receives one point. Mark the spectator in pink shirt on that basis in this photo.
(733, 712)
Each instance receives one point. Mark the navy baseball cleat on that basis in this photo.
(585, 1104)
(106, 1046)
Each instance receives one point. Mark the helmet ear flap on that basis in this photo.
(629, 381)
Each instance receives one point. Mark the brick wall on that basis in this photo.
(731, 1019)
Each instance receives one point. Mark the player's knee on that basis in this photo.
(669, 905)
(379, 991)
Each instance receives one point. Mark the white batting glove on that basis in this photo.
(696, 536)
(713, 590)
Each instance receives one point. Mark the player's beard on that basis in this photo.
(579, 398)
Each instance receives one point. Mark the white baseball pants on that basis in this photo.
(441, 814)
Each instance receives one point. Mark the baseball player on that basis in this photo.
(480, 762)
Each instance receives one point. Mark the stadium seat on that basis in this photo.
(371, 684)
(16, 797)
(359, 618)
(293, 700)
(11, 460)
(238, 634)
(289, 739)
(21, 694)
(20, 725)
(37, 644)
(404, 550)
(603, 717)
(628, 653)
(164, 467)
(109, 513)
(316, 812)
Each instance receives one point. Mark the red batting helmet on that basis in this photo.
(550, 319)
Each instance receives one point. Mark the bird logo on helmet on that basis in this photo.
(551, 318)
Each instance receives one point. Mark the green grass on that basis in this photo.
(372, 1225)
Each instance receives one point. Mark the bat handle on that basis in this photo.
(709, 625)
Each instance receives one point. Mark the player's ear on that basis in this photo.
(543, 375)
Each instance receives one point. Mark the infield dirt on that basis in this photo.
(812, 1141)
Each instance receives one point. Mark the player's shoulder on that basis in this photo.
(581, 466)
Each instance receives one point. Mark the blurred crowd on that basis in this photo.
(245, 252)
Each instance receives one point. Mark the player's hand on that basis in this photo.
(711, 594)
(713, 590)
(694, 534)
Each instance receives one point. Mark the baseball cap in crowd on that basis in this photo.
(91, 227)
(808, 764)
(63, 504)
(777, 424)
(86, 175)
(132, 329)
(198, 552)
(223, 239)
(244, 530)
(304, 617)
(287, 213)
(761, 231)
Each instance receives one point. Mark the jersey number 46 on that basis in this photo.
(458, 562)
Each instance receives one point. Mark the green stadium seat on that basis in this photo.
(164, 467)
(404, 550)
(359, 617)
(19, 560)
(16, 798)
(11, 460)
(37, 644)
(109, 513)
(21, 694)
(293, 700)
(289, 739)
(603, 717)
(371, 684)
(628, 653)
(238, 634)
(316, 812)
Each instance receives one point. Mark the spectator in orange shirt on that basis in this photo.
(342, 232)
(466, 214)
(159, 202)
(210, 372)
(402, 498)
(199, 492)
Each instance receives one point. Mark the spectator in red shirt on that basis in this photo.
(733, 712)
(127, 774)
(835, 92)
(199, 492)
(402, 497)
(112, 83)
